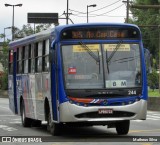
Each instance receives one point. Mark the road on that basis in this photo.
(140, 131)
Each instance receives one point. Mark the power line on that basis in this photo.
(96, 9)
(110, 10)
(61, 15)
(78, 11)
(104, 7)
(95, 15)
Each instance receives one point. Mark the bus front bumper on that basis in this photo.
(74, 113)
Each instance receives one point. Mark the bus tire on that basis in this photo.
(26, 122)
(36, 123)
(122, 127)
(54, 128)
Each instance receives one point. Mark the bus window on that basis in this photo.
(29, 59)
(36, 56)
(123, 66)
(81, 70)
(26, 60)
(19, 61)
(32, 58)
(45, 58)
(23, 58)
(39, 63)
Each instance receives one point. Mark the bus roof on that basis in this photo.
(58, 29)
(96, 24)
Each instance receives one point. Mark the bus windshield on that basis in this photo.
(118, 66)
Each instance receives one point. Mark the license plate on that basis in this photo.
(105, 111)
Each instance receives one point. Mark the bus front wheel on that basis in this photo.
(54, 128)
(26, 122)
(122, 127)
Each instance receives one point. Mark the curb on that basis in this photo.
(154, 103)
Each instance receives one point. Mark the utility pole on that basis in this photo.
(127, 10)
(67, 16)
(67, 12)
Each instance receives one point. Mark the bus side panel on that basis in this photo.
(11, 93)
(46, 87)
(39, 95)
(54, 92)
(19, 90)
(33, 112)
(27, 100)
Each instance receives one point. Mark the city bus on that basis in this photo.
(80, 74)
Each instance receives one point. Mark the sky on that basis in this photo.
(105, 11)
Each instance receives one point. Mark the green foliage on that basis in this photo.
(4, 56)
(145, 17)
(153, 80)
(28, 30)
(154, 93)
(4, 62)
(4, 81)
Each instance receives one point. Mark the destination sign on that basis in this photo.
(100, 33)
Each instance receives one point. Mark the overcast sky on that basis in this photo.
(105, 11)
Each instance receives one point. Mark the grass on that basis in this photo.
(154, 93)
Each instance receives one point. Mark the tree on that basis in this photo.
(148, 17)
(153, 80)
(28, 30)
(4, 62)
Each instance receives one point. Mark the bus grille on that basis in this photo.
(115, 114)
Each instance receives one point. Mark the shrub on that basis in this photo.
(4, 81)
(153, 80)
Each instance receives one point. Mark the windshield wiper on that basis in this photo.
(114, 51)
(96, 58)
(126, 59)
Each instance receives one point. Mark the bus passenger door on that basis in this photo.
(54, 83)
(15, 82)
(12, 82)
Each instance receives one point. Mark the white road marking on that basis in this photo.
(7, 128)
(16, 119)
(8, 115)
(138, 120)
(6, 108)
(154, 116)
(15, 122)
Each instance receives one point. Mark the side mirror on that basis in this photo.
(147, 56)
